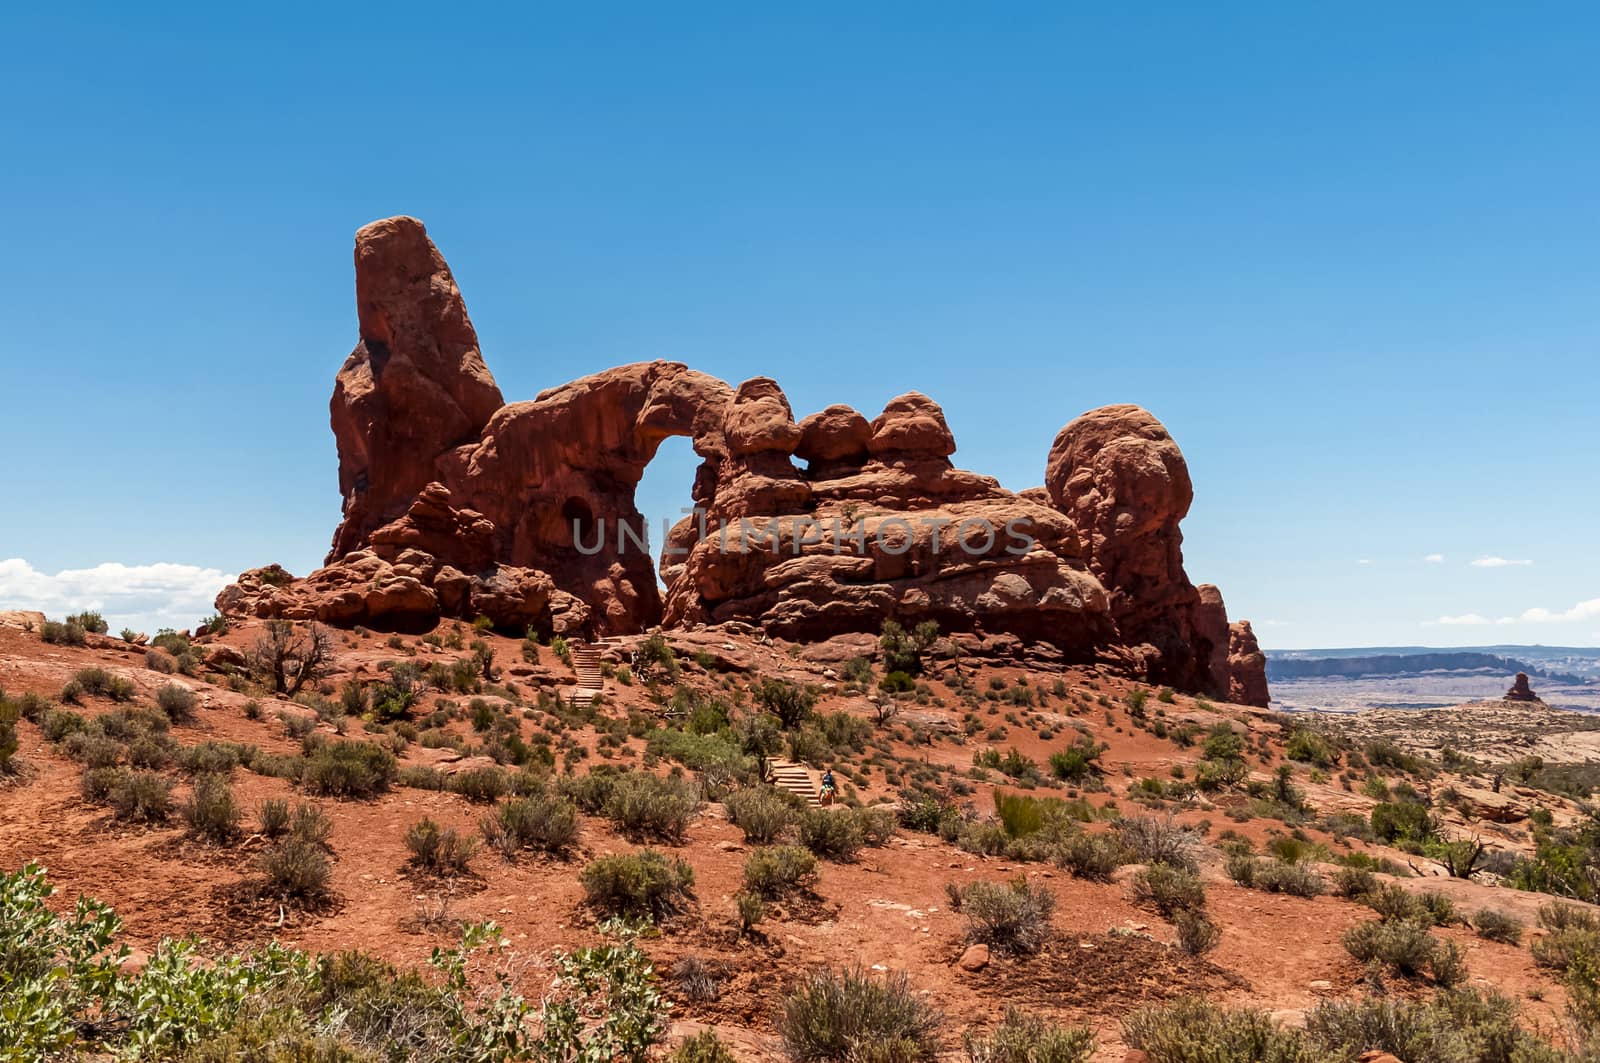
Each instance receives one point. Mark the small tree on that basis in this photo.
(289, 659)
(902, 650)
(789, 702)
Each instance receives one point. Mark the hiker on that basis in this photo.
(828, 787)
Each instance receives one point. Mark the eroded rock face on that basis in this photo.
(1521, 690)
(415, 385)
(1119, 475)
(458, 505)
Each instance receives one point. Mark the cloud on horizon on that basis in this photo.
(142, 597)
(1465, 619)
(1434, 559)
(1588, 610)
(1497, 562)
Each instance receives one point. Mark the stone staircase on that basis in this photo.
(586, 664)
(797, 779)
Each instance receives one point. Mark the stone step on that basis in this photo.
(796, 779)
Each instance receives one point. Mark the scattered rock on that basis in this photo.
(976, 958)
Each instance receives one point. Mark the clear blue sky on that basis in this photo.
(1348, 253)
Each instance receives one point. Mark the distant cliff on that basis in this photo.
(1396, 664)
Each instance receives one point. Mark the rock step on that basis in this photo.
(585, 662)
(795, 778)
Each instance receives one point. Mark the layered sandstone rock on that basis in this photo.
(456, 504)
(1521, 690)
(414, 386)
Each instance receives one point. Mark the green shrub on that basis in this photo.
(1456, 1025)
(94, 750)
(703, 1047)
(1077, 762)
(61, 634)
(775, 871)
(1014, 917)
(1090, 856)
(1401, 821)
(1024, 1038)
(1153, 840)
(848, 1016)
(177, 701)
(643, 884)
(97, 682)
(1354, 882)
(763, 813)
(832, 833)
(1197, 935)
(297, 869)
(789, 702)
(751, 909)
(211, 812)
(542, 822)
(480, 785)
(344, 768)
(1406, 948)
(442, 850)
(141, 797)
(212, 758)
(647, 806)
(1276, 876)
(1194, 1030)
(10, 713)
(273, 818)
(1168, 889)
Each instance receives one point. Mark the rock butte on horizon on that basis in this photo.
(458, 504)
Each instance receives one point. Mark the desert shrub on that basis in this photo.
(10, 713)
(90, 621)
(58, 633)
(272, 818)
(211, 758)
(643, 884)
(1394, 821)
(849, 1016)
(1395, 904)
(1168, 889)
(480, 785)
(591, 791)
(1406, 948)
(284, 659)
(297, 868)
(832, 833)
(1014, 917)
(141, 797)
(1455, 1025)
(212, 812)
(422, 777)
(1194, 1030)
(697, 979)
(97, 682)
(1354, 882)
(751, 909)
(1024, 1038)
(442, 850)
(346, 768)
(94, 750)
(763, 813)
(310, 824)
(1090, 856)
(1197, 935)
(775, 871)
(789, 702)
(159, 661)
(645, 805)
(1441, 910)
(1160, 840)
(57, 724)
(1312, 747)
(1077, 762)
(177, 701)
(543, 822)
(703, 1047)
(1276, 876)
(718, 755)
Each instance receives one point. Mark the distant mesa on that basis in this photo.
(1520, 690)
(459, 504)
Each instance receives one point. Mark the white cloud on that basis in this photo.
(1365, 561)
(1434, 559)
(1465, 619)
(1497, 562)
(1588, 610)
(143, 597)
(1273, 623)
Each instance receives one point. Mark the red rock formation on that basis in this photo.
(458, 505)
(1520, 690)
(1119, 475)
(415, 385)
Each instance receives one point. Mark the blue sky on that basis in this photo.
(1346, 253)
